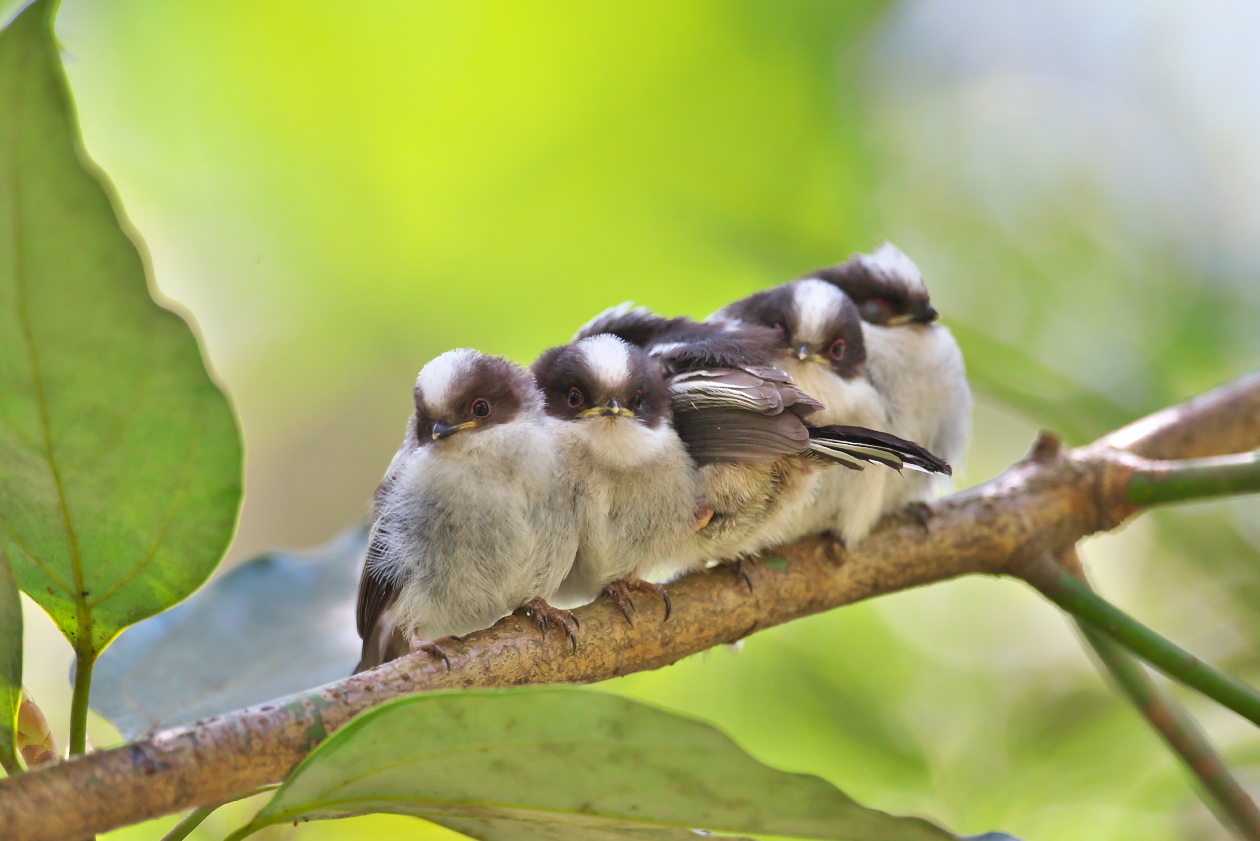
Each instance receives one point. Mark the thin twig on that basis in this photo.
(1220, 791)
(195, 818)
(1074, 596)
(1196, 479)
(84, 662)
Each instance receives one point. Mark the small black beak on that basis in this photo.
(926, 314)
(445, 430)
(802, 352)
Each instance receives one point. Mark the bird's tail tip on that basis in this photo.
(856, 446)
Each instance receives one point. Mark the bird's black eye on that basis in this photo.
(576, 397)
(876, 311)
(836, 351)
(637, 400)
(481, 408)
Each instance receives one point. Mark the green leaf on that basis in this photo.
(564, 763)
(271, 627)
(10, 665)
(120, 462)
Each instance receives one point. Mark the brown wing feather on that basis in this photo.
(751, 414)
(733, 435)
(376, 593)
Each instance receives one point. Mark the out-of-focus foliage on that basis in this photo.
(339, 193)
(556, 763)
(271, 627)
(119, 458)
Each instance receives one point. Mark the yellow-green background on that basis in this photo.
(337, 192)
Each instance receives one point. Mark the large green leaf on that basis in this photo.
(120, 462)
(10, 664)
(564, 763)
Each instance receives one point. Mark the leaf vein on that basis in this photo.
(181, 494)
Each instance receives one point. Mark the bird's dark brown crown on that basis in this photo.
(881, 295)
(487, 390)
(571, 386)
(837, 339)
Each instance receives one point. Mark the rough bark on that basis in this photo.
(1050, 500)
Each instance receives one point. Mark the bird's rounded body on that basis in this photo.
(918, 369)
(637, 493)
(846, 502)
(476, 514)
(477, 531)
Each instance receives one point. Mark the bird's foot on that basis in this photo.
(837, 547)
(431, 648)
(921, 513)
(833, 536)
(739, 567)
(619, 591)
(546, 616)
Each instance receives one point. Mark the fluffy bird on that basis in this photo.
(862, 338)
(475, 517)
(819, 343)
(743, 423)
(638, 492)
(912, 360)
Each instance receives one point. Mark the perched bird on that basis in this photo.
(912, 359)
(475, 517)
(820, 345)
(894, 369)
(638, 492)
(743, 422)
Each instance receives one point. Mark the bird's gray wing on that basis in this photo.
(751, 414)
(376, 594)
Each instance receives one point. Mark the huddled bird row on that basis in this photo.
(649, 447)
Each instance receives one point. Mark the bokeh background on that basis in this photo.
(337, 192)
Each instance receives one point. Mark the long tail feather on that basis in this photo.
(851, 446)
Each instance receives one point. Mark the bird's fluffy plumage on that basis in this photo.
(472, 526)
(637, 490)
(913, 361)
(744, 423)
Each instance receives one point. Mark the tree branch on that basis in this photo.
(1051, 499)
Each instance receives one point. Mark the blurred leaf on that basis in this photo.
(276, 625)
(10, 664)
(120, 463)
(1205, 540)
(561, 763)
(1048, 397)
